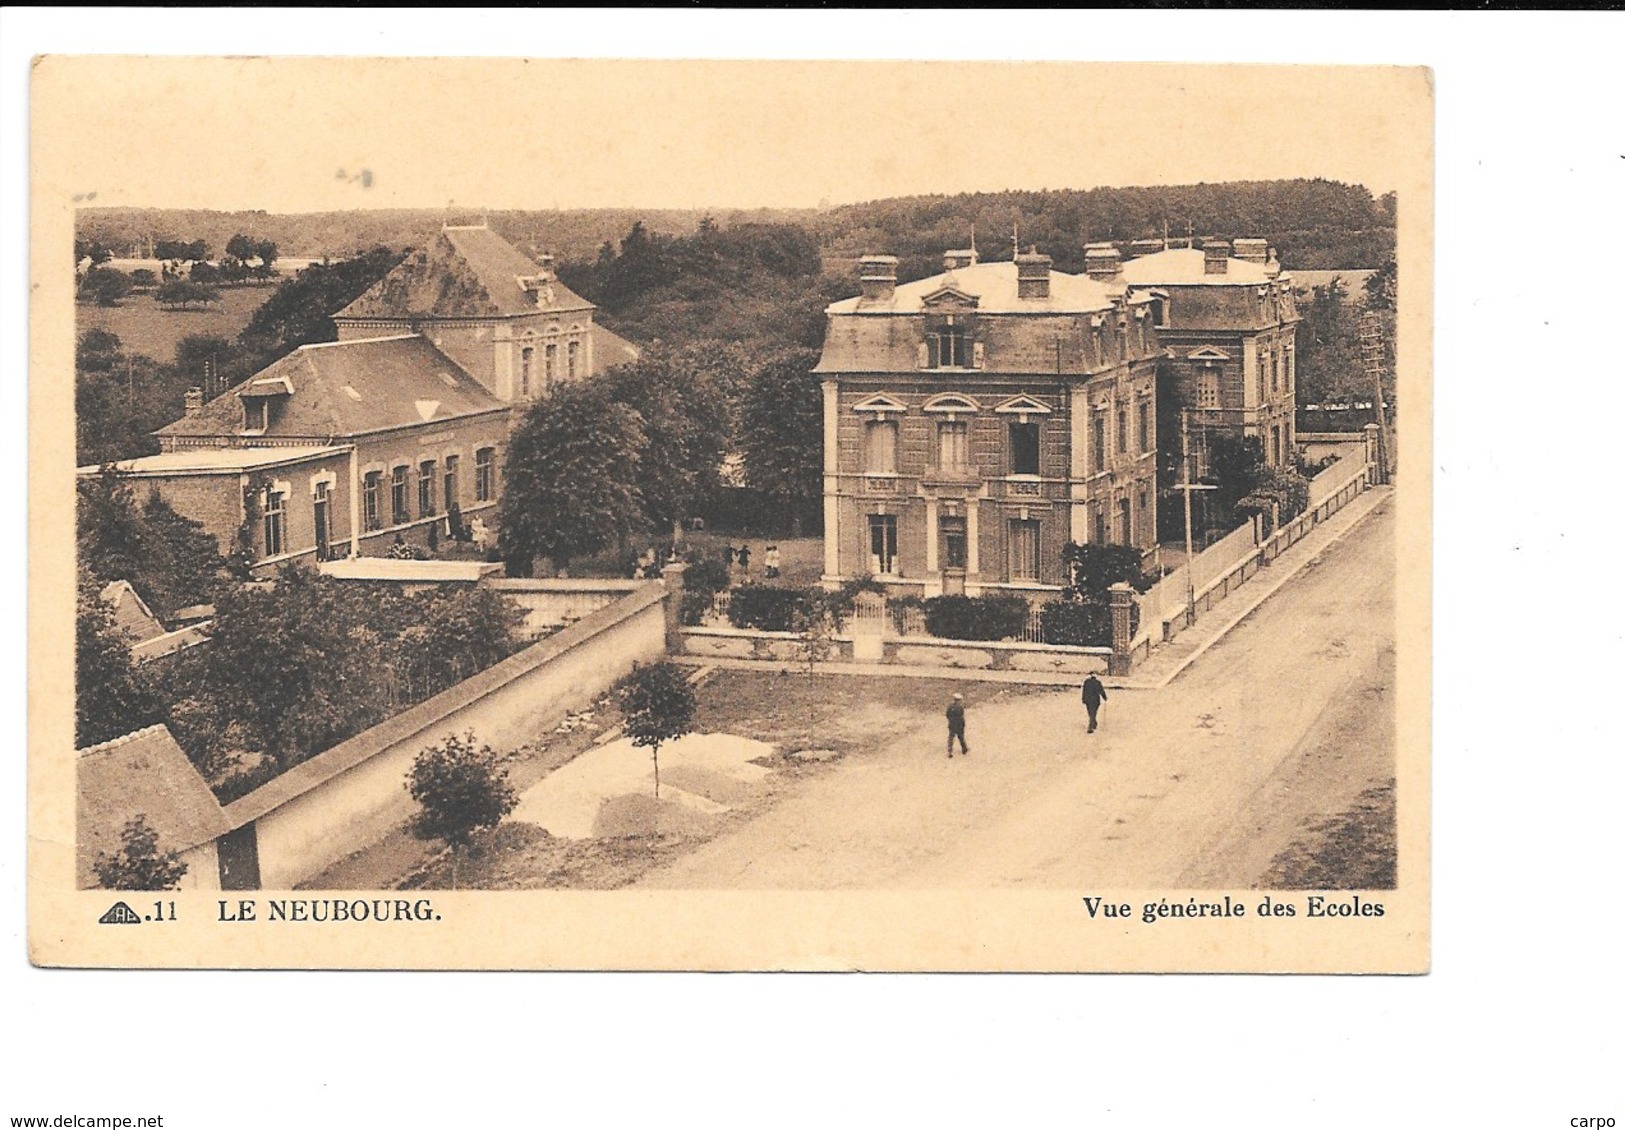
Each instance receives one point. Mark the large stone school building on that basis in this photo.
(339, 449)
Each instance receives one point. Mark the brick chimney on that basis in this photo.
(1032, 275)
(877, 276)
(1102, 261)
(955, 260)
(194, 401)
(1215, 257)
(1144, 247)
(1253, 250)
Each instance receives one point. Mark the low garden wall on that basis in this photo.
(1222, 569)
(352, 795)
(904, 651)
(554, 602)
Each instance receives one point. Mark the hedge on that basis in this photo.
(769, 608)
(996, 617)
(1081, 624)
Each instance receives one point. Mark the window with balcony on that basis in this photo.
(883, 544)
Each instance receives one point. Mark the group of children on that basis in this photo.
(741, 558)
(738, 561)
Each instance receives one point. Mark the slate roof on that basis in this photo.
(218, 460)
(141, 774)
(1186, 266)
(994, 286)
(465, 272)
(131, 613)
(347, 388)
(610, 349)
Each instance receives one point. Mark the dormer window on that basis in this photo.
(947, 347)
(256, 414)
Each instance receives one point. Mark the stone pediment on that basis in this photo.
(1208, 353)
(949, 299)
(1024, 405)
(880, 403)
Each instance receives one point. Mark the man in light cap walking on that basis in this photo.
(956, 725)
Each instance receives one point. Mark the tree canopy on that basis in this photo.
(658, 704)
(570, 478)
(781, 431)
(683, 404)
(460, 788)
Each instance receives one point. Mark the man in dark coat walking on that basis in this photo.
(1094, 693)
(956, 725)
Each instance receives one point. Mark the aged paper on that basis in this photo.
(814, 870)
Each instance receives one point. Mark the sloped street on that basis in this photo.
(1201, 783)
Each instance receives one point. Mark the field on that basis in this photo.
(146, 328)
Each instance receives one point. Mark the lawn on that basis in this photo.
(147, 328)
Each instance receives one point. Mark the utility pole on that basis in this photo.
(1187, 487)
(1371, 354)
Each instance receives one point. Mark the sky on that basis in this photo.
(288, 134)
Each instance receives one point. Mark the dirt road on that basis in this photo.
(1199, 784)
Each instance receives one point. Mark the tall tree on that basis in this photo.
(569, 479)
(110, 697)
(170, 559)
(684, 409)
(781, 431)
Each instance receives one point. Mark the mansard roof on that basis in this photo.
(993, 287)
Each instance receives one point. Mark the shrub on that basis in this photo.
(706, 573)
(139, 864)
(461, 789)
(1081, 624)
(996, 617)
(770, 608)
(693, 606)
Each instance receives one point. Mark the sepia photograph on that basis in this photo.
(603, 492)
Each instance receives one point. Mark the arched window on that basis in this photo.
(527, 358)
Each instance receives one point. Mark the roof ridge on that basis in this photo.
(356, 341)
(103, 747)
